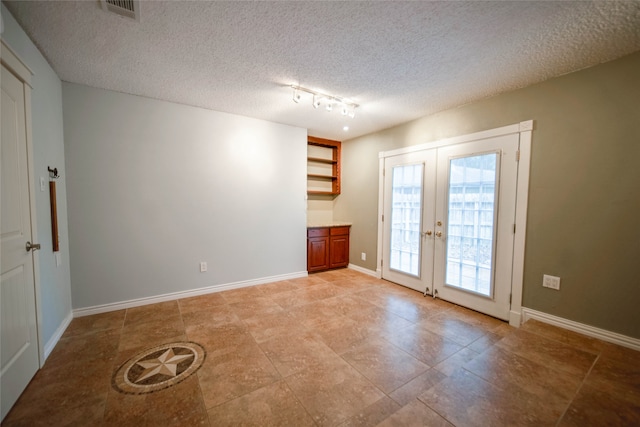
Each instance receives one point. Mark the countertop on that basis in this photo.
(329, 224)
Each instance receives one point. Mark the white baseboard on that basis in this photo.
(363, 270)
(602, 334)
(96, 309)
(50, 345)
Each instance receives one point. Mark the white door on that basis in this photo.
(475, 216)
(19, 339)
(409, 188)
(457, 243)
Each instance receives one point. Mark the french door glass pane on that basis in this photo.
(406, 215)
(471, 222)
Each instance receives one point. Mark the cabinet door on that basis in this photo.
(339, 251)
(317, 253)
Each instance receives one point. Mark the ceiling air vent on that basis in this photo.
(128, 8)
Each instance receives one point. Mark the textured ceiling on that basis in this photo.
(398, 60)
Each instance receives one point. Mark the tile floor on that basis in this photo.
(336, 348)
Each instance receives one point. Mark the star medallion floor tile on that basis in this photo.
(158, 368)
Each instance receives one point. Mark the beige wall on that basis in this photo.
(320, 209)
(584, 200)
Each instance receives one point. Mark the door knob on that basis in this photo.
(32, 246)
(428, 232)
(439, 233)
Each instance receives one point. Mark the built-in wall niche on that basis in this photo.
(323, 166)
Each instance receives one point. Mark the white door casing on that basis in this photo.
(20, 350)
(513, 144)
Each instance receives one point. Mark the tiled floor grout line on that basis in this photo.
(434, 409)
(584, 380)
(196, 373)
(295, 396)
(114, 365)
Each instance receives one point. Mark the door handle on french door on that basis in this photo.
(428, 233)
(32, 246)
(438, 233)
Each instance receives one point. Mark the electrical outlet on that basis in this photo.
(203, 266)
(363, 256)
(552, 282)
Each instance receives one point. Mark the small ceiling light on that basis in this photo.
(347, 108)
(346, 128)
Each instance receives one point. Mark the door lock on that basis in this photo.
(32, 246)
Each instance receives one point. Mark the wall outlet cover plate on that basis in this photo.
(552, 282)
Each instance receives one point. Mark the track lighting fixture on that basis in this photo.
(346, 107)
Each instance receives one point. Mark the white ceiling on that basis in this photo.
(398, 60)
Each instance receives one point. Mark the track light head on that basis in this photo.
(316, 101)
(296, 95)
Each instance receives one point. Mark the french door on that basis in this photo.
(448, 222)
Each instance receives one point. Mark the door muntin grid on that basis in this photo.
(405, 252)
(472, 208)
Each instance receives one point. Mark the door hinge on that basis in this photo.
(518, 156)
(510, 295)
(514, 229)
(382, 218)
(381, 263)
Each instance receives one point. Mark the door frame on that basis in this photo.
(12, 62)
(525, 130)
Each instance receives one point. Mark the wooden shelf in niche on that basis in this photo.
(323, 166)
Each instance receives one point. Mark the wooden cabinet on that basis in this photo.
(327, 248)
(338, 247)
(317, 249)
(323, 166)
